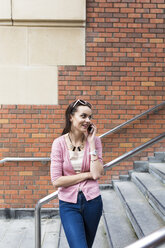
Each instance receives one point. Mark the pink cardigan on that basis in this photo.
(61, 166)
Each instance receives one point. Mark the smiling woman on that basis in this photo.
(76, 164)
(81, 119)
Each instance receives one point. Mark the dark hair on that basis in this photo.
(71, 109)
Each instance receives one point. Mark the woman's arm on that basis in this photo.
(57, 178)
(66, 181)
(96, 166)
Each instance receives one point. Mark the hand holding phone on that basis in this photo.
(90, 129)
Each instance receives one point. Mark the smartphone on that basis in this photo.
(90, 129)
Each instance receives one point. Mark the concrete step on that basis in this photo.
(160, 156)
(99, 242)
(141, 166)
(120, 231)
(153, 190)
(20, 233)
(17, 233)
(155, 160)
(62, 239)
(142, 216)
(158, 170)
(101, 239)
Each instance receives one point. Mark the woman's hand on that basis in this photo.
(96, 167)
(91, 135)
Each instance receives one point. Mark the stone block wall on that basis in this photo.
(36, 37)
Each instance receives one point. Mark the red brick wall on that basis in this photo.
(124, 76)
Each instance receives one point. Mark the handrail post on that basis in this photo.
(39, 204)
(38, 226)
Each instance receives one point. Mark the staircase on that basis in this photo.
(134, 207)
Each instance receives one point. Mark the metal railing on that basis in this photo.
(134, 151)
(14, 159)
(152, 240)
(133, 119)
(40, 203)
(117, 128)
(106, 166)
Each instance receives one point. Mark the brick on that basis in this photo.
(112, 10)
(156, 40)
(148, 6)
(161, 6)
(148, 35)
(134, 25)
(156, 11)
(120, 25)
(25, 192)
(2, 121)
(157, 1)
(148, 83)
(127, 10)
(150, 16)
(120, 5)
(17, 121)
(134, 15)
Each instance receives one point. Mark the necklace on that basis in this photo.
(73, 148)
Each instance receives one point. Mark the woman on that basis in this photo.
(76, 164)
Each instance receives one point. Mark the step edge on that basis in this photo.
(154, 202)
(130, 214)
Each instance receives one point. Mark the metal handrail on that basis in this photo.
(47, 159)
(22, 159)
(39, 204)
(106, 166)
(134, 151)
(133, 119)
(152, 240)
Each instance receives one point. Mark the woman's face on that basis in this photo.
(81, 119)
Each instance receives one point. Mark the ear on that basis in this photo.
(71, 118)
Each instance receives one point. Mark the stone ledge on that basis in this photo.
(6, 22)
(42, 23)
(55, 13)
(46, 23)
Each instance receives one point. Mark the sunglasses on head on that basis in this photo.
(82, 102)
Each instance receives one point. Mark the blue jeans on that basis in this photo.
(80, 220)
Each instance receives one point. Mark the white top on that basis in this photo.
(76, 158)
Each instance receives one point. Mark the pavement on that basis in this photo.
(20, 233)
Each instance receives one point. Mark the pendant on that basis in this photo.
(74, 148)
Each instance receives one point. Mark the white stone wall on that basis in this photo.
(36, 36)
(5, 11)
(48, 10)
